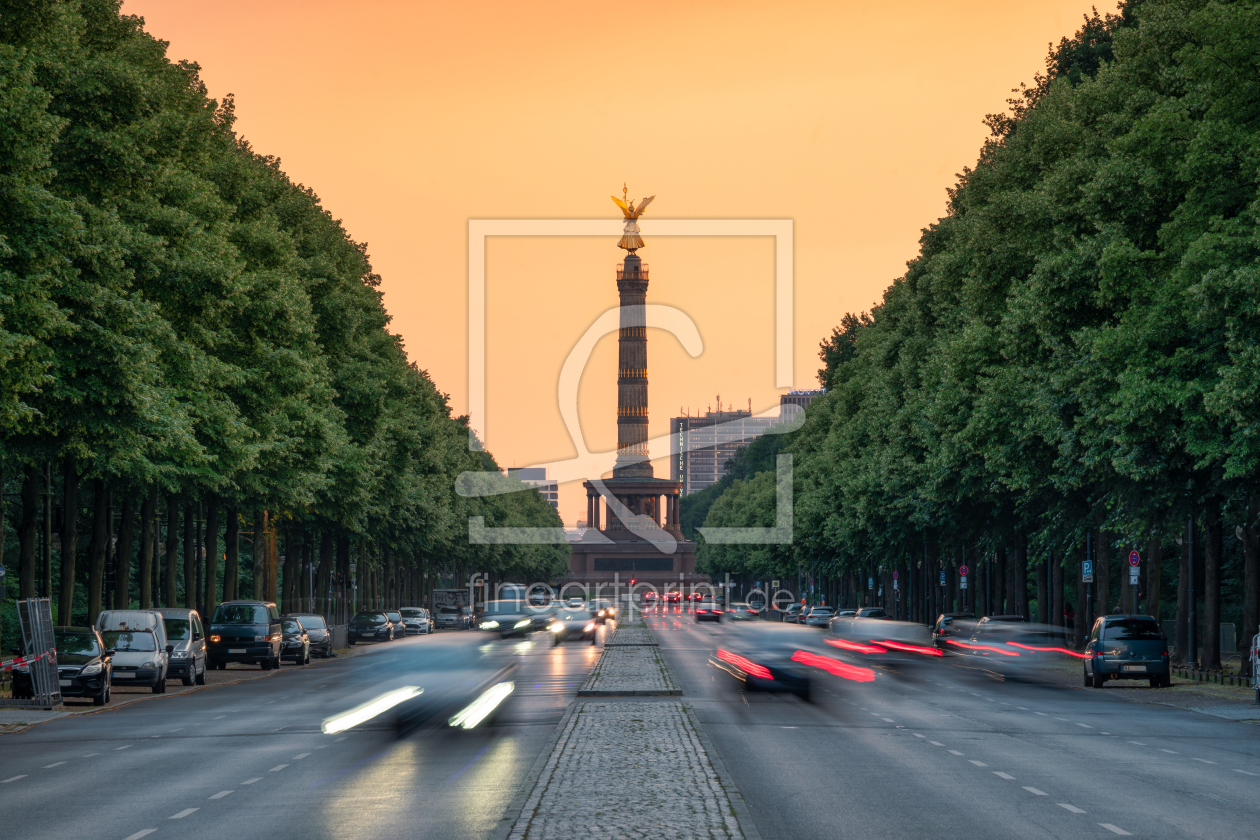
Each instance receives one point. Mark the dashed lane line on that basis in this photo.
(144, 832)
(127, 747)
(1035, 792)
(955, 752)
(222, 794)
(54, 764)
(977, 763)
(1170, 752)
(1086, 725)
(1115, 829)
(300, 755)
(1139, 743)
(1246, 772)
(183, 813)
(1203, 760)
(1003, 775)
(13, 779)
(278, 768)
(251, 781)
(1071, 808)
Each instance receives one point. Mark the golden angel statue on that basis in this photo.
(630, 239)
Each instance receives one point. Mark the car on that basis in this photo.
(246, 632)
(952, 626)
(396, 619)
(450, 616)
(296, 644)
(83, 666)
(568, 622)
(819, 617)
(187, 636)
(138, 658)
(708, 610)
(416, 621)
(765, 657)
(674, 597)
(507, 618)
(370, 626)
(603, 611)
(846, 613)
(742, 612)
(792, 614)
(317, 632)
(650, 599)
(872, 612)
(1127, 647)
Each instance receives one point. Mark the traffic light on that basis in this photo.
(632, 581)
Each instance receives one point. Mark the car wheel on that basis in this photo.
(201, 678)
(188, 680)
(157, 687)
(1154, 681)
(265, 664)
(555, 640)
(1099, 679)
(99, 700)
(1088, 682)
(350, 642)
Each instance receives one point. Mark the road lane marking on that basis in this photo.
(1204, 760)
(1071, 808)
(917, 735)
(184, 813)
(129, 746)
(220, 717)
(1086, 725)
(144, 833)
(936, 743)
(1170, 752)
(888, 720)
(321, 746)
(1003, 775)
(1115, 829)
(300, 755)
(222, 794)
(13, 779)
(89, 755)
(55, 764)
(342, 738)
(787, 727)
(1244, 772)
(1021, 707)
(278, 767)
(1043, 714)
(1035, 792)
(955, 752)
(977, 763)
(1065, 720)
(1139, 743)
(181, 729)
(251, 781)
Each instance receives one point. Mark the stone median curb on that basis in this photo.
(630, 666)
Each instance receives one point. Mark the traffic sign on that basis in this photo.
(896, 575)
(962, 570)
(894, 580)
(774, 584)
(870, 583)
(1, 572)
(1087, 571)
(1134, 559)
(964, 582)
(942, 577)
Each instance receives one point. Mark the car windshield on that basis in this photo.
(76, 644)
(1133, 630)
(240, 614)
(141, 640)
(503, 607)
(291, 626)
(368, 619)
(820, 611)
(448, 610)
(394, 616)
(178, 629)
(573, 615)
(312, 622)
(412, 613)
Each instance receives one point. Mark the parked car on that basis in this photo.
(1127, 647)
(83, 666)
(296, 644)
(576, 603)
(318, 633)
(792, 614)
(416, 621)
(247, 632)
(955, 626)
(452, 617)
(187, 636)
(819, 617)
(370, 626)
(142, 653)
(708, 610)
(396, 619)
(741, 612)
(568, 622)
(507, 618)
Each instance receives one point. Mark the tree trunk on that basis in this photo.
(293, 550)
(1181, 646)
(1212, 549)
(122, 557)
(1043, 608)
(1057, 600)
(171, 598)
(1102, 573)
(1080, 612)
(1251, 582)
(190, 557)
(99, 549)
(69, 539)
(148, 521)
(28, 533)
(212, 555)
(327, 556)
(1154, 567)
(999, 581)
(232, 561)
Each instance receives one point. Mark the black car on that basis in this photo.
(1127, 647)
(507, 618)
(370, 627)
(83, 666)
(708, 610)
(245, 631)
(317, 631)
(766, 660)
(296, 645)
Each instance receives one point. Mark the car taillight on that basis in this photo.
(746, 665)
(701, 611)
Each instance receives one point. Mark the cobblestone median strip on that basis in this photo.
(629, 769)
(633, 668)
(632, 636)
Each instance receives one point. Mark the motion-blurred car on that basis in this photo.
(507, 618)
(881, 640)
(295, 646)
(370, 627)
(416, 621)
(395, 618)
(819, 617)
(83, 666)
(742, 612)
(674, 597)
(957, 626)
(708, 610)
(792, 615)
(765, 657)
(450, 617)
(465, 683)
(569, 623)
(603, 611)
(1127, 647)
(317, 632)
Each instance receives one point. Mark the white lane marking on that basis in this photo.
(1043, 714)
(278, 767)
(181, 729)
(54, 764)
(342, 738)
(874, 714)
(1086, 725)
(1204, 760)
(1021, 707)
(973, 694)
(1104, 733)
(1170, 752)
(1034, 791)
(1244, 772)
(1139, 743)
(129, 746)
(917, 735)
(955, 752)
(1003, 775)
(144, 833)
(977, 763)
(13, 779)
(89, 755)
(251, 781)
(300, 755)
(781, 727)
(323, 746)
(1071, 808)
(1115, 829)
(184, 813)
(220, 717)
(936, 743)
(888, 720)
(222, 794)
(990, 699)
(1065, 720)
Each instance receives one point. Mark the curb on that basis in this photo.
(664, 692)
(516, 808)
(742, 815)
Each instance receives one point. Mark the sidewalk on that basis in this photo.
(628, 768)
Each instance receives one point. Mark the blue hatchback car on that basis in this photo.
(1127, 647)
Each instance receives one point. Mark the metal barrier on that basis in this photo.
(340, 637)
(39, 656)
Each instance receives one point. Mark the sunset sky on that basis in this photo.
(409, 119)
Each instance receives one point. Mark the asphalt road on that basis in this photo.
(248, 760)
(950, 749)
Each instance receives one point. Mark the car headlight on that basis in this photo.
(149, 664)
(215, 639)
(590, 627)
(90, 669)
(525, 622)
(179, 654)
(488, 625)
(555, 628)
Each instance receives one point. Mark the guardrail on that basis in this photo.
(1213, 677)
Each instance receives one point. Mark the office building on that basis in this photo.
(537, 477)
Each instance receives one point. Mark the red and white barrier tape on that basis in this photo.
(21, 660)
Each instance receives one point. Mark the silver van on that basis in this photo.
(185, 633)
(141, 651)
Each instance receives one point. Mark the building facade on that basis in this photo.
(536, 477)
(699, 447)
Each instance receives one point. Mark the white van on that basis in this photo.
(142, 654)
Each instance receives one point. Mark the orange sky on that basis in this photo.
(411, 118)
